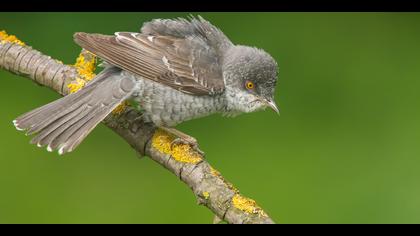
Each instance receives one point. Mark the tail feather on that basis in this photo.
(64, 123)
(77, 137)
(37, 115)
(53, 138)
(60, 140)
(43, 113)
(61, 112)
(57, 126)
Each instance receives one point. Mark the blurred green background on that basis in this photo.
(345, 148)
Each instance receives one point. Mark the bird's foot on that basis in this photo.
(192, 142)
(182, 138)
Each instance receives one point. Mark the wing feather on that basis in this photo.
(189, 62)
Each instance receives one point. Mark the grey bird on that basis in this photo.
(175, 69)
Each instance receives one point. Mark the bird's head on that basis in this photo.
(250, 76)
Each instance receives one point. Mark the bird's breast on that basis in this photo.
(165, 106)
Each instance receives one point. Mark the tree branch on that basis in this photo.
(208, 185)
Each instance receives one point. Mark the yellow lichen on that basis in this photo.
(162, 141)
(183, 153)
(86, 66)
(76, 85)
(120, 108)
(4, 37)
(206, 195)
(214, 171)
(218, 175)
(247, 205)
(231, 187)
(85, 69)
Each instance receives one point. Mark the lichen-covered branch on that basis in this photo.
(208, 185)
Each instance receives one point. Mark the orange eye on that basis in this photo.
(249, 85)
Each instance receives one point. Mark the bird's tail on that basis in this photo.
(64, 123)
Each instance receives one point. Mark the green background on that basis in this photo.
(345, 148)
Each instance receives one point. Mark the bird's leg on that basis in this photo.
(183, 138)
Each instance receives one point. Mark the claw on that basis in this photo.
(182, 138)
(192, 142)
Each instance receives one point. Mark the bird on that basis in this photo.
(174, 69)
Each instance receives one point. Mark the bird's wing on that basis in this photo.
(188, 63)
(194, 27)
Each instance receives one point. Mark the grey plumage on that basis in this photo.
(186, 58)
(183, 28)
(176, 70)
(64, 123)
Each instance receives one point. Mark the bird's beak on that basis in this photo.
(272, 105)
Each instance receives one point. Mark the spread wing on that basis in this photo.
(189, 62)
(196, 27)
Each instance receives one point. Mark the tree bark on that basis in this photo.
(208, 185)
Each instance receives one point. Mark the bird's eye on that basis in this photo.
(249, 85)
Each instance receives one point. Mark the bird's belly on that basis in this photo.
(165, 106)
